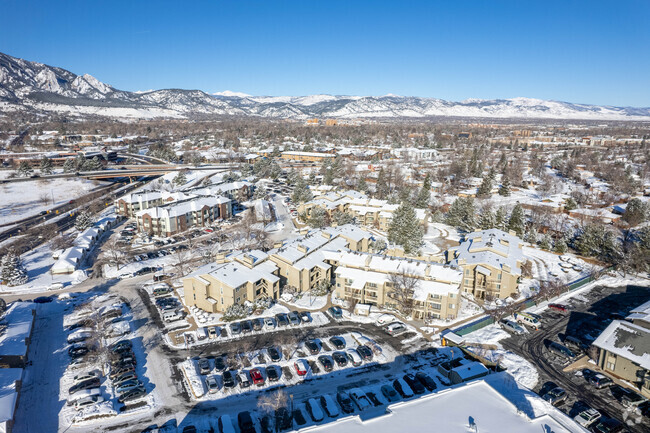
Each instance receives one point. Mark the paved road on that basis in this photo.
(588, 317)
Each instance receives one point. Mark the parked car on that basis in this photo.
(314, 410)
(403, 388)
(246, 326)
(213, 332)
(559, 307)
(353, 357)
(312, 347)
(365, 352)
(219, 364)
(600, 381)
(426, 380)
(134, 394)
(212, 384)
(245, 422)
(395, 328)
(77, 351)
(335, 312)
(120, 370)
(513, 327)
(86, 376)
(329, 406)
(301, 366)
(338, 343)
(528, 320)
(256, 376)
(556, 396)
(86, 384)
(389, 393)
(269, 322)
(340, 359)
(608, 425)
(88, 401)
(43, 299)
(121, 345)
(242, 377)
(128, 386)
(587, 374)
(274, 354)
(359, 398)
(272, 373)
(326, 362)
(587, 417)
(282, 319)
(414, 384)
(561, 350)
(305, 316)
(235, 328)
(204, 366)
(283, 419)
(345, 402)
(294, 318)
(229, 379)
(258, 324)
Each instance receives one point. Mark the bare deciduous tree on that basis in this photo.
(402, 288)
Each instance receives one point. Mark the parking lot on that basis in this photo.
(588, 315)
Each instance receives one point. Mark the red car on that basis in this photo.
(559, 307)
(301, 366)
(256, 376)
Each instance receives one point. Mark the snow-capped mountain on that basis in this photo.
(35, 87)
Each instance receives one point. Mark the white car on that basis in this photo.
(212, 384)
(314, 410)
(88, 401)
(587, 417)
(385, 319)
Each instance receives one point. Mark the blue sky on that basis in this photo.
(578, 51)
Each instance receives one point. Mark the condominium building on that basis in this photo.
(367, 279)
(178, 216)
(130, 204)
(244, 277)
(491, 262)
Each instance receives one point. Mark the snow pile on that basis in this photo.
(193, 378)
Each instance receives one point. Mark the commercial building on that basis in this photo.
(491, 262)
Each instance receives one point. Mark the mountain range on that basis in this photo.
(27, 86)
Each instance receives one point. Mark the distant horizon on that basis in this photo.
(583, 52)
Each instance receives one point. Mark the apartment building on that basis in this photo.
(624, 352)
(245, 277)
(491, 262)
(368, 212)
(366, 278)
(178, 216)
(307, 156)
(304, 262)
(130, 204)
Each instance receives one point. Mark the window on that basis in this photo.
(466, 271)
(611, 365)
(498, 286)
(466, 282)
(435, 305)
(452, 306)
(499, 277)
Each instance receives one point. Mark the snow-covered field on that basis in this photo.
(32, 197)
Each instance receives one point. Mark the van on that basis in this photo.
(528, 320)
(171, 316)
(161, 289)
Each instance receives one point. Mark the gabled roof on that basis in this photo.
(492, 247)
(627, 340)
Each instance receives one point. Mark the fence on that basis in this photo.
(485, 321)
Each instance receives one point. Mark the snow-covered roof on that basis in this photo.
(19, 320)
(452, 410)
(627, 340)
(470, 370)
(234, 274)
(8, 392)
(180, 208)
(642, 313)
(492, 247)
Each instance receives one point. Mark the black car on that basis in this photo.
(338, 343)
(86, 384)
(345, 402)
(134, 394)
(78, 351)
(312, 347)
(258, 324)
(373, 399)
(219, 364)
(274, 354)
(246, 326)
(245, 422)
(43, 299)
(229, 380)
(414, 384)
(282, 320)
(87, 323)
(272, 373)
(189, 429)
(121, 346)
(587, 374)
(340, 359)
(267, 424)
(365, 352)
(283, 419)
(426, 380)
(608, 425)
(326, 362)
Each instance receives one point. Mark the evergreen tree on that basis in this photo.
(318, 218)
(545, 243)
(301, 192)
(635, 212)
(83, 221)
(487, 220)
(485, 189)
(46, 165)
(504, 189)
(68, 165)
(474, 168)
(501, 219)
(437, 217)
(404, 229)
(180, 179)
(342, 218)
(12, 271)
(382, 187)
(531, 236)
(503, 163)
(516, 222)
(79, 162)
(560, 246)
(25, 169)
(328, 178)
(462, 214)
(362, 185)
(570, 204)
(424, 195)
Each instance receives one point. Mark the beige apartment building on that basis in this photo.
(491, 262)
(245, 277)
(131, 204)
(366, 278)
(178, 216)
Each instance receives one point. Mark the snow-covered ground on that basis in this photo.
(306, 301)
(32, 197)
